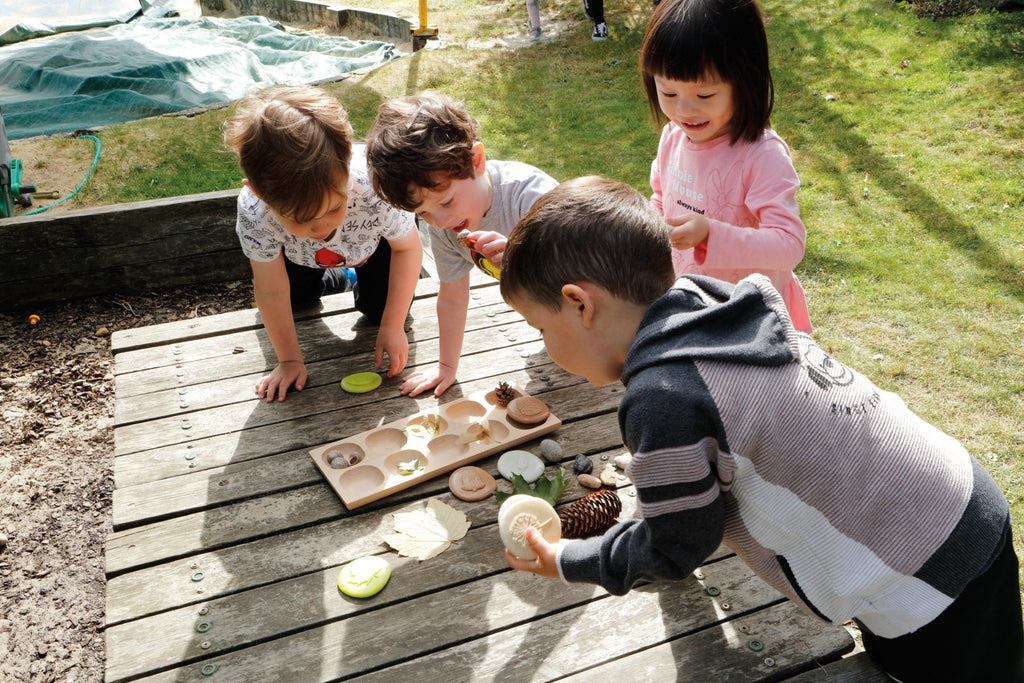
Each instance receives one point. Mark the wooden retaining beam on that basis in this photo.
(133, 247)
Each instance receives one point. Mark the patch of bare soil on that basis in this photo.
(55, 166)
(56, 478)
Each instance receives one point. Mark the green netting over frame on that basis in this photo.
(152, 66)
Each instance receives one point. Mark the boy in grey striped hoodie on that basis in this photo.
(745, 432)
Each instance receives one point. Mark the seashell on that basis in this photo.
(528, 410)
(550, 450)
(525, 464)
(609, 475)
(342, 457)
(471, 483)
(622, 461)
(582, 465)
(520, 512)
(589, 480)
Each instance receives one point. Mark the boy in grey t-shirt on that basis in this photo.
(424, 154)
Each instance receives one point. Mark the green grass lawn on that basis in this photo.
(907, 132)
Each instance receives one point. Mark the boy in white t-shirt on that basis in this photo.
(306, 216)
(424, 155)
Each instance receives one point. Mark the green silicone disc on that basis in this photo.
(364, 577)
(361, 382)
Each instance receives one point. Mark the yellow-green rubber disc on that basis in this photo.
(361, 382)
(364, 577)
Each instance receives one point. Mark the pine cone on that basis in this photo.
(591, 514)
(504, 394)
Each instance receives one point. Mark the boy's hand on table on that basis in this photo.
(391, 340)
(490, 244)
(276, 384)
(439, 378)
(545, 564)
(688, 231)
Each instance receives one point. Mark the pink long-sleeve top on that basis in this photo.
(747, 191)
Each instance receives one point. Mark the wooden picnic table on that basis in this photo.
(227, 540)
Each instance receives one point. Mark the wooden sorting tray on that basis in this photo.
(437, 438)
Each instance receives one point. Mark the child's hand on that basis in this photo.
(440, 377)
(276, 384)
(544, 564)
(490, 244)
(391, 340)
(689, 231)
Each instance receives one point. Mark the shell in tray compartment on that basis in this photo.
(343, 455)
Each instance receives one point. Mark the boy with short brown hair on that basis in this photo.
(745, 432)
(425, 155)
(307, 213)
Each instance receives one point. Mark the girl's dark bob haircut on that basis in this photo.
(692, 40)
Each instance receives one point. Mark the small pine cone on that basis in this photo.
(504, 394)
(591, 514)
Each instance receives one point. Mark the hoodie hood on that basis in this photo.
(701, 318)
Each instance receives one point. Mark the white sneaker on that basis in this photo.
(600, 32)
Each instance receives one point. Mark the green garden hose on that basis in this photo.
(95, 161)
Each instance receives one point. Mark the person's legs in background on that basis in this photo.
(595, 10)
(372, 277)
(533, 11)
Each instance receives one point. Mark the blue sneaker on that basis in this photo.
(338, 280)
(600, 32)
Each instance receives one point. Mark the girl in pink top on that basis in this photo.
(723, 178)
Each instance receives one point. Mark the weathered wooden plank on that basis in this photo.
(309, 600)
(230, 375)
(507, 626)
(267, 558)
(210, 410)
(791, 641)
(855, 668)
(290, 475)
(296, 431)
(151, 244)
(347, 324)
(122, 341)
(279, 427)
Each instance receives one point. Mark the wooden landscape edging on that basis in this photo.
(123, 248)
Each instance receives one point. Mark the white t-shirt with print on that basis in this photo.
(367, 219)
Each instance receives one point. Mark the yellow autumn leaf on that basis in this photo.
(428, 532)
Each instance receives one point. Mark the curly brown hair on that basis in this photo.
(422, 141)
(294, 145)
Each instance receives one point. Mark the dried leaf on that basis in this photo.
(409, 467)
(477, 431)
(425, 533)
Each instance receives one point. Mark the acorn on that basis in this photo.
(590, 515)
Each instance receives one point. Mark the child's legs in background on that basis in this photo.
(371, 288)
(595, 10)
(980, 637)
(533, 11)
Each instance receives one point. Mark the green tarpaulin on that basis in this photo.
(151, 66)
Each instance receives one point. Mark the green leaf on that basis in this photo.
(548, 489)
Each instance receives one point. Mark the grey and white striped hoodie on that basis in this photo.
(746, 432)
